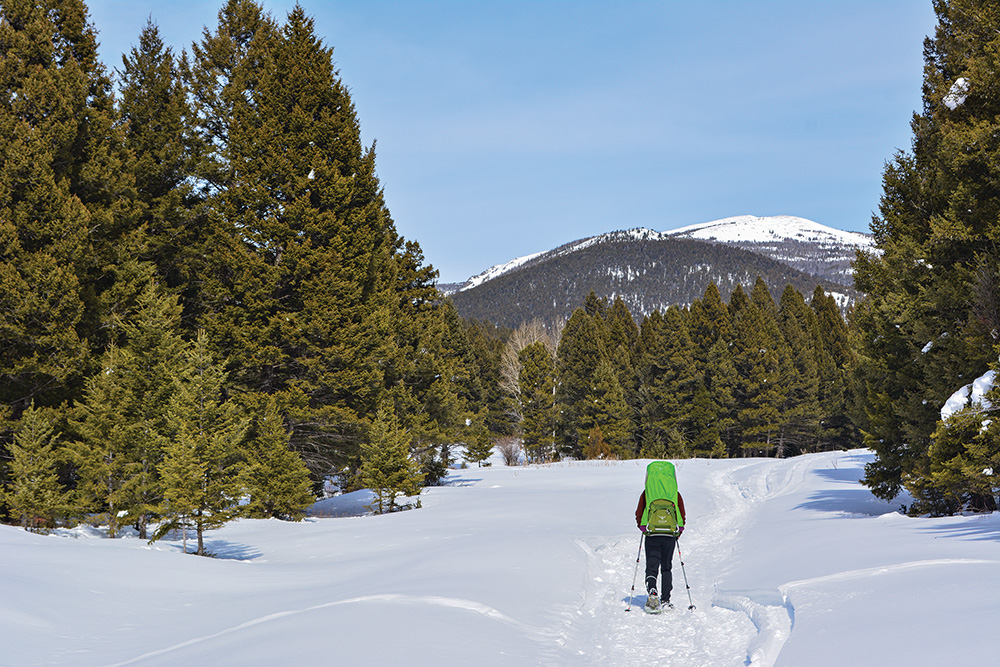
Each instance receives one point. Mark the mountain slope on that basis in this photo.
(802, 244)
(651, 270)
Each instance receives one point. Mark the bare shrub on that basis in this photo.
(510, 449)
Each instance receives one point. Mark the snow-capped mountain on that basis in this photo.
(773, 229)
(651, 270)
(803, 244)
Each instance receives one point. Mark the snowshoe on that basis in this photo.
(653, 603)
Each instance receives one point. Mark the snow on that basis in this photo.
(970, 394)
(957, 94)
(739, 229)
(499, 270)
(790, 562)
(753, 229)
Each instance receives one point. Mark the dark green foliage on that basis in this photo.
(159, 131)
(228, 193)
(581, 349)
(36, 499)
(386, 465)
(538, 402)
(122, 419)
(275, 481)
(202, 462)
(668, 381)
(801, 411)
(925, 326)
(66, 201)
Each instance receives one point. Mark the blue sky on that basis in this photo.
(506, 128)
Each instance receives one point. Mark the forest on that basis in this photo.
(208, 312)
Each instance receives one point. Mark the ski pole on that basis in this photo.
(635, 574)
(684, 572)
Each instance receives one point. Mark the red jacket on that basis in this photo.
(642, 508)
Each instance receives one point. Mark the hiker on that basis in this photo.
(662, 525)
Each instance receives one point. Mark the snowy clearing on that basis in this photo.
(791, 562)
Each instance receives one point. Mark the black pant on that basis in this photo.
(660, 556)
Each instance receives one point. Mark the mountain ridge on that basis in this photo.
(652, 270)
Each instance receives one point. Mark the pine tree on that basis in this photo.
(35, 497)
(104, 457)
(608, 414)
(668, 380)
(538, 383)
(801, 411)
(836, 363)
(159, 130)
(479, 443)
(201, 482)
(709, 321)
(124, 413)
(273, 477)
(487, 344)
(720, 381)
(66, 201)
(223, 73)
(581, 349)
(386, 465)
(762, 363)
(921, 326)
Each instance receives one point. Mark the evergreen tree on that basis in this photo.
(223, 73)
(668, 380)
(709, 321)
(801, 411)
(921, 323)
(386, 465)
(35, 497)
(274, 478)
(605, 423)
(159, 130)
(537, 379)
(66, 201)
(761, 364)
(487, 344)
(719, 414)
(309, 266)
(581, 349)
(123, 416)
(104, 457)
(836, 361)
(201, 481)
(479, 443)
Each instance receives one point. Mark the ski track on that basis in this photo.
(722, 629)
(539, 634)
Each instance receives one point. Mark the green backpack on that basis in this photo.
(661, 516)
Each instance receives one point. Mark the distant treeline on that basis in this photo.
(747, 378)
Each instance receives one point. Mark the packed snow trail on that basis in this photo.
(722, 630)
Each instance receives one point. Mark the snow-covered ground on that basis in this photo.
(791, 562)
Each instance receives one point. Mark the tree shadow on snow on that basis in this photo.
(853, 502)
(976, 527)
(225, 550)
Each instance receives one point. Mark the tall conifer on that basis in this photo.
(66, 200)
(922, 334)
